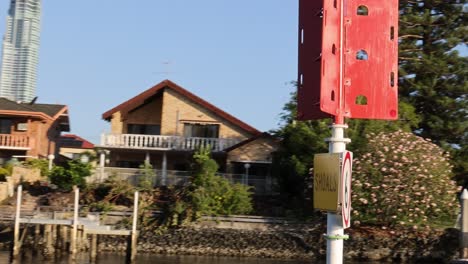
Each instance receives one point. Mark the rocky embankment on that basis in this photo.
(300, 242)
(292, 241)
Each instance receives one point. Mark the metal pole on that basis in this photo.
(246, 166)
(75, 223)
(134, 237)
(16, 245)
(464, 225)
(51, 158)
(135, 213)
(164, 170)
(93, 248)
(102, 164)
(335, 230)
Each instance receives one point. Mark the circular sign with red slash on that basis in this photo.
(346, 170)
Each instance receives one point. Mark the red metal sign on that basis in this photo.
(371, 59)
(359, 60)
(310, 48)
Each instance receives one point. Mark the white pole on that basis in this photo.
(51, 158)
(16, 245)
(102, 164)
(335, 230)
(464, 225)
(75, 222)
(135, 213)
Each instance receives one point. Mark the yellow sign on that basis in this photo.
(326, 181)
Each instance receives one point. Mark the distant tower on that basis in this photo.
(20, 51)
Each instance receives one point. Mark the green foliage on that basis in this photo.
(9, 166)
(112, 191)
(106, 196)
(213, 195)
(301, 140)
(146, 176)
(433, 73)
(407, 121)
(3, 173)
(400, 178)
(73, 173)
(101, 206)
(41, 164)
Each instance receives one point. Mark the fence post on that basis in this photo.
(464, 225)
(16, 239)
(75, 223)
(132, 239)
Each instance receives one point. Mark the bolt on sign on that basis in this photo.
(348, 59)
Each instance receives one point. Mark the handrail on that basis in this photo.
(165, 142)
(14, 141)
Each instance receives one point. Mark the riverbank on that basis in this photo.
(297, 241)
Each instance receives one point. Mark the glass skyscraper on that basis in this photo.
(20, 51)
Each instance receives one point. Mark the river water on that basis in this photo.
(112, 258)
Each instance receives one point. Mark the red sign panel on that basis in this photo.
(371, 59)
(354, 72)
(330, 92)
(310, 48)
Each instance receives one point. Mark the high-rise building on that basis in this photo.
(20, 51)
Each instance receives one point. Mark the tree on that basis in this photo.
(146, 176)
(432, 72)
(400, 179)
(41, 164)
(211, 194)
(300, 140)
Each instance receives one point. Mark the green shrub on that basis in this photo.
(3, 173)
(402, 179)
(145, 179)
(213, 195)
(73, 173)
(41, 164)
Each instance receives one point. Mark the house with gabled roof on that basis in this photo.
(165, 124)
(30, 130)
(73, 146)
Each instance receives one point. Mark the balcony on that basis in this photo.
(15, 142)
(134, 141)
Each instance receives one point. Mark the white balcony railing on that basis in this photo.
(8, 141)
(134, 141)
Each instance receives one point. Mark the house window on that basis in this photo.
(5, 126)
(200, 130)
(144, 129)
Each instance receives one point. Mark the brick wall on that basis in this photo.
(116, 123)
(190, 112)
(42, 136)
(149, 114)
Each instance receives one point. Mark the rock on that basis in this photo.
(377, 254)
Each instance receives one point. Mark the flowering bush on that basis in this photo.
(403, 179)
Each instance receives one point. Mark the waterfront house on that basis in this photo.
(165, 124)
(30, 130)
(75, 147)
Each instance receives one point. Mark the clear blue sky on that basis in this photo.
(239, 55)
